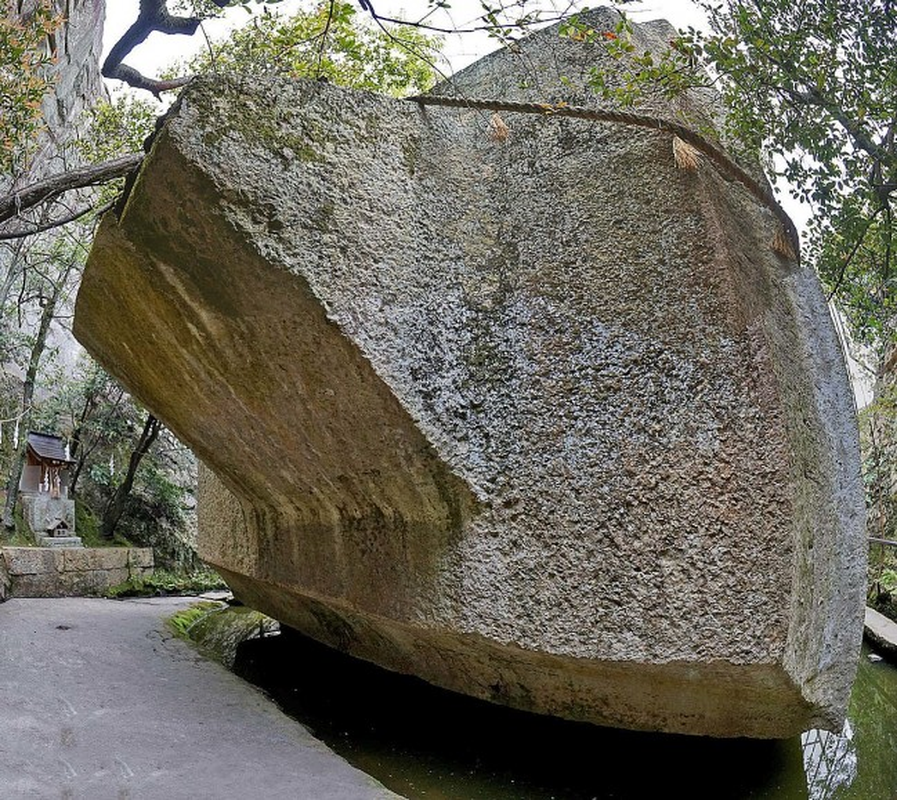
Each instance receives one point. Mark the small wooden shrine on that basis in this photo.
(47, 464)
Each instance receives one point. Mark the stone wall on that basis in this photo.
(70, 572)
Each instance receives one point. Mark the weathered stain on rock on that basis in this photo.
(544, 420)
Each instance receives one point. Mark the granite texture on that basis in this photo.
(543, 420)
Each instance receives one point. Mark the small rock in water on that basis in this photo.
(224, 595)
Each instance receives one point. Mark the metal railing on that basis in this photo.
(876, 540)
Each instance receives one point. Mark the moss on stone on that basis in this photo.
(217, 629)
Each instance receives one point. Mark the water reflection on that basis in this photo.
(423, 742)
(830, 761)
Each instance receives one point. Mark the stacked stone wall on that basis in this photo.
(70, 572)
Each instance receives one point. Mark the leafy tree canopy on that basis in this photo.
(329, 40)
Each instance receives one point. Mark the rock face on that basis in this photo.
(543, 420)
(77, 46)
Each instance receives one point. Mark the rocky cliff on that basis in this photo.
(77, 46)
(541, 417)
(77, 85)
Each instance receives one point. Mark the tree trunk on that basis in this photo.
(12, 272)
(78, 451)
(37, 350)
(114, 509)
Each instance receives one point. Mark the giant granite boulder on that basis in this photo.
(538, 417)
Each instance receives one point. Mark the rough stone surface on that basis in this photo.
(58, 541)
(77, 81)
(4, 581)
(77, 85)
(72, 572)
(542, 420)
(42, 512)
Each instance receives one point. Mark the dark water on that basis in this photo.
(424, 742)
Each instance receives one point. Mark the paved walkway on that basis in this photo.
(98, 700)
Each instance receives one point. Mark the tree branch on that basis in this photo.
(12, 204)
(853, 128)
(115, 507)
(853, 251)
(153, 17)
(56, 223)
(484, 28)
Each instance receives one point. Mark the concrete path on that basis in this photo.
(98, 700)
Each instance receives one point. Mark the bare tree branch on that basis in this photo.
(324, 33)
(12, 204)
(153, 17)
(484, 28)
(55, 223)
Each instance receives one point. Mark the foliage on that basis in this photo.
(329, 41)
(816, 85)
(878, 430)
(642, 74)
(205, 9)
(47, 275)
(102, 423)
(182, 621)
(811, 89)
(21, 535)
(888, 580)
(155, 510)
(882, 591)
(26, 56)
(117, 126)
(87, 527)
(163, 583)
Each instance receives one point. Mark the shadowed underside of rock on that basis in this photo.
(542, 420)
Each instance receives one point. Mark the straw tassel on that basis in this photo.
(685, 156)
(781, 244)
(498, 131)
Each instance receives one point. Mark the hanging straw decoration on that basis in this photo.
(685, 156)
(498, 130)
(781, 244)
(687, 147)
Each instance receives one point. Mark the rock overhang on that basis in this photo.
(543, 420)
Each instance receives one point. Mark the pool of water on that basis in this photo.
(424, 742)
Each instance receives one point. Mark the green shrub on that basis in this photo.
(162, 583)
(184, 620)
